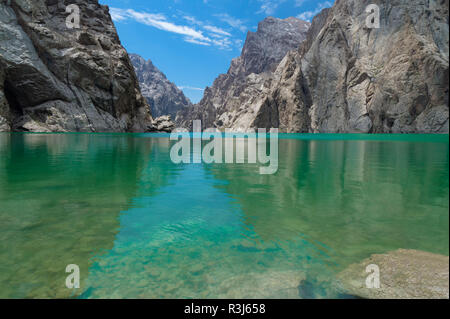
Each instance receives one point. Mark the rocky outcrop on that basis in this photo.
(56, 79)
(233, 100)
(163, 124)
(404, 274)
(163, 96)
(346, 77)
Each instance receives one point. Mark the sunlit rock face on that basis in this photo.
(345, 77)
(352, 78)
(235, 98)
(55, 79)
(163, 96)
(265, 48)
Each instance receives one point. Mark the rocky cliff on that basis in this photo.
(346, 77)
(232, 99)
(351, 78)
(54, 78)
(163, 96)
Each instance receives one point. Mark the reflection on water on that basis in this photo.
(60, 197)
(140, 226)
(351, 196)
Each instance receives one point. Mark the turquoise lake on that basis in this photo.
(140, 226)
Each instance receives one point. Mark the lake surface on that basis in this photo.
(140, 226)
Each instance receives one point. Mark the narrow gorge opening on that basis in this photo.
(15, 109)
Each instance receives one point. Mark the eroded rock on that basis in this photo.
(163, 124)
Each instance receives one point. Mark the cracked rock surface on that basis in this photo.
(345, 77)
(57, 79)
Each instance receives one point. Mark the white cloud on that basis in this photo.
(216, 30)
(269, 6)
(308, 15)
(195, 32)
(231, 21)
(215, 35)
(192, 20)
(159, 21)
(299, 3)
(194, 41)
(117, 14)
(190, 88)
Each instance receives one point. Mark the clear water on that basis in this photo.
(140, 226)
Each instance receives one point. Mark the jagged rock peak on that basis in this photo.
(163, 96)
(271, 26)
(265, 48)
(145, 66)
(233, 95)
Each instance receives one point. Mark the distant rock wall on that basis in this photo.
(235, 98)
(163, 96)
(56, 79)
(344, 78)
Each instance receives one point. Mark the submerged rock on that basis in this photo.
(267, 285)
(404, 274)
(310, 289)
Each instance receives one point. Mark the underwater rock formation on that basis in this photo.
(404, 274)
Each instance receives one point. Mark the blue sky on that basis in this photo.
(193, 41)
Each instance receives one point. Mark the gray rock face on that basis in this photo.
(163, 96)
(56, 79)
(345, 77)
(265, 48)
(233, 99)
(354, 79)
(404, 274)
